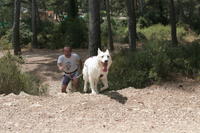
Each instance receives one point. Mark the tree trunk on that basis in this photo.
(34, 25)
(173, 23)
(13, 12)
(131, 23)
(16, 26)
(37, 15)
(160, 5)
(141, 6)
(94, 27)
(110, 36)
(73, 9)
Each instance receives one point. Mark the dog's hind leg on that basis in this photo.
(85, 78)
(105, 83)
(85, 86)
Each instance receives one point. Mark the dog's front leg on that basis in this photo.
(105, 83)
(93, 86)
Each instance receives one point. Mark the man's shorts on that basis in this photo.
(68, 77)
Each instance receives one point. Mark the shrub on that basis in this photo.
(122, 35)
(186, 58)
(144, 22)
(47, 31)
(161, 32)
(25, 37)
(104, 33)
(3, 31)
(12, 80)
(126, 71)
(74, 32)
(156, 61)
(5, 43)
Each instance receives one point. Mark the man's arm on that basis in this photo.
(60, 63)
(60, 67)
(80, 65)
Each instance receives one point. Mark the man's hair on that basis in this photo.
(68, 47)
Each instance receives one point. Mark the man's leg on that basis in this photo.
(75, 83)
(63, 88)
(65, 82)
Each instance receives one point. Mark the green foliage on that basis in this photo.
(143, 22)
(25, 34)
(154, 62)
(186, 58)
(47, 37)
(5, 13)
(5, 41)
(125, 72)
(120, 30)
(122, 35)
(188, 13)
(72, 9)
(104, 34)
(3, 31)
(161, 32)
(13, 80)
(74, 32)
(25, 37)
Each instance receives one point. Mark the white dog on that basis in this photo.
(95, 69)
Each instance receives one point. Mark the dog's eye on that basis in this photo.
(101, 56)
(108, 56)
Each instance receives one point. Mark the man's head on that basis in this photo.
(67, 51)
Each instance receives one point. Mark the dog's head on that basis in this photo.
(104, 59)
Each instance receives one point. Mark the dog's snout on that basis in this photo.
(106, 61)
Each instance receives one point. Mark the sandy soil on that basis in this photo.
(172, 107)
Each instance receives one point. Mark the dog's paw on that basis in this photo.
(85, 91)
(95, 92)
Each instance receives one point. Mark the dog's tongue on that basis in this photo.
(105, 67)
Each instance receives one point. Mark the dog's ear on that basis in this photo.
(99, 51)
(107, 51)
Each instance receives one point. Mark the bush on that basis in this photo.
(47, 31)
(5, 43)
(25, 37)
(186, 58)
(3, 31)
(144, 22)
(74, 32)
(161, 32)
(126, 72)
(122, 35)
(155, 62)
(12, 80)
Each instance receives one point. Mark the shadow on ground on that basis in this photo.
(116, 96)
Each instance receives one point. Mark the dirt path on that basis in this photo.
(166, 108)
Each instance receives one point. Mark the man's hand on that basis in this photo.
(60, 67)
